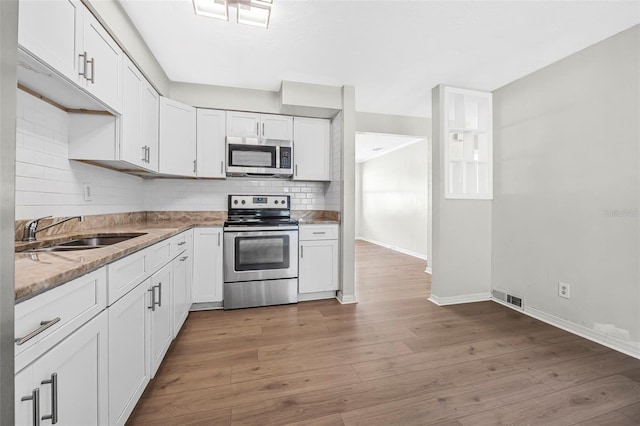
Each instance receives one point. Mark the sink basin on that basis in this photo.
(98, 241)
(86, 243)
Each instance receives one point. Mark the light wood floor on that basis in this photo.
(392, 359)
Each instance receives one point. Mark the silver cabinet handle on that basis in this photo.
(35, 397)
(257, 129)
(195, 164)
(148, 154)
(144, 154)
(92, 79)
(43, 326)
(222, 167)
(53, 381)
(319, 233)
(262, 129)
(218, 239)
(159, 294)
(301, 252)
(153, 299)
(84, 65)
(296, 170)
(182, 259)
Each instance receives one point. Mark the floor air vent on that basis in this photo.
(508, 298)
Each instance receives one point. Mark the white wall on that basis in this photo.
(47, 183)
(461, 237)
(393, 199)
(567, 183)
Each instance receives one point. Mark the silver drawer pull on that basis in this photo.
(182, 243)
(35, 397)
(53, 381)
(43, 326)
(319, 233)
(182, 259)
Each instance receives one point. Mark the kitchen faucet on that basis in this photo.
(30, 230)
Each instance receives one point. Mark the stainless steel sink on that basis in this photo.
(87, 243)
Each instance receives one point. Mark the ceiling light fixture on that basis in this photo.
(249, 12)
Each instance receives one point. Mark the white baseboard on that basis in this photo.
(305, 297)
(456, 300)
(389, 246)
(206, 306)
(628, 348)
(346, 299)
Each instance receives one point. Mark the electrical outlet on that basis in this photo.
(563, 290)
(86, 191)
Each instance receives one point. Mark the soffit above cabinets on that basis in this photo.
(393, 52)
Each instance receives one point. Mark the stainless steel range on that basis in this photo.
(260, 252)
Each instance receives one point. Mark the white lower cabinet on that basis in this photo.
(160, 331)
(182, 266)
(68, 384)
(318, 263)
(128, 352)
(207, 265)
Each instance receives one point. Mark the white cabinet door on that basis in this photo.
(177, 138)
(26, 387)
(160, 332)
(312, 149)
(243, 124)
(207, 265)
(103, 63)
(132, 148)
(181, 295)
(75, 373)
(318, 266)
(210, 138)
(52, 31)
(150, 121)
(128, 352)
(276, 127)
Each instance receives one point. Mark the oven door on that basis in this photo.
(260, 255)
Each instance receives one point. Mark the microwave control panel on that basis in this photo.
(285, 157)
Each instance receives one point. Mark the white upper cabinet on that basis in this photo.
(177, 138)
(312, 149)
(243, 124)
(139, 120)
(262, 126)
(276, 127)
(210, 136)
(100, 66)
(52, 31)
(68, 38)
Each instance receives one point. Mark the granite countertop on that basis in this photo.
(37, 272)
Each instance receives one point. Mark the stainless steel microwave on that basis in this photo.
(250, 156)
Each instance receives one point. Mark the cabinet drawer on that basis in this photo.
(66, 307)
(125, 274)
(158, 255)
(178, 244)
(318, 232)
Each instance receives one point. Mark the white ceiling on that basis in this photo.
(392, 51)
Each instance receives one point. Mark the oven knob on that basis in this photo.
(276, 202)
(244, 202)
(284, 202)
(235, 201)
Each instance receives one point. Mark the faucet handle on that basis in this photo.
(30, 229)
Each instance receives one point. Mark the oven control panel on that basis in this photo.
(259, 201)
